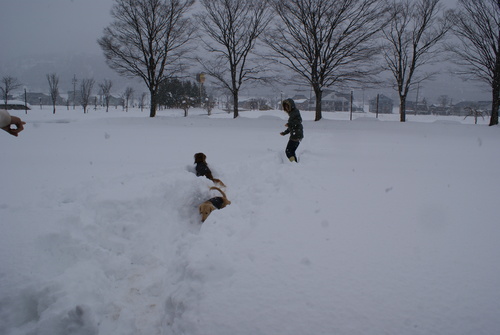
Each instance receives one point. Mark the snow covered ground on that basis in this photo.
(382, 228)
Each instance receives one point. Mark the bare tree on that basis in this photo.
(443, 100)
(86, 87)
(147, 39)
(8, 85)
(105, 87)
(53, 80)
(477, 26)
(142, 100)
(231, 30)
(127, 96)
(326, 42)
(209, 105)
(186, 103)
(411, 41)
(475, 113)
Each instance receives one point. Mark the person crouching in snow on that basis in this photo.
(294, 128)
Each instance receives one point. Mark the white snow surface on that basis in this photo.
(381, 228)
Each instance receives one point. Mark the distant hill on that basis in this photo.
(32, 72)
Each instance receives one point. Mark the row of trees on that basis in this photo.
(173, 92)
(85, 92)
(8, 85)
(325, 43)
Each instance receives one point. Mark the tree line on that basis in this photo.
(325, 44)
(173, 93)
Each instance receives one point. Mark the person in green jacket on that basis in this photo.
(294, 128)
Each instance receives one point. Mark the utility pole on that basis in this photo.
(350, 114)
(74, 90)
(25, 101)
(416, 104)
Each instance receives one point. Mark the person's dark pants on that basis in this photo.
(290, 149)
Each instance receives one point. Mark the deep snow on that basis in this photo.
(382, 228)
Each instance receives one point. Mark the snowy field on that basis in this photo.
(382, 228)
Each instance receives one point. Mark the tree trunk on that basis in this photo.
(319, 97)
(235, 104)
(54, 106)
(494, 110)
(152, 109)
(495, 102)
(402, 108)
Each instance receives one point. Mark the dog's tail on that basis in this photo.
(218, 181)
(221, 191)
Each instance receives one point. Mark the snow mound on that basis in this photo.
(374, 231)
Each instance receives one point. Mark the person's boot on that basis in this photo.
(292, 159)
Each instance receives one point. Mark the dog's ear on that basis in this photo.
(199, 157)
(205, 211)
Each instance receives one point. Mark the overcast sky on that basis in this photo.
(30, 27)
(47, 27)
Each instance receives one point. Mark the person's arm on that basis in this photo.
(288, 125)
(287, 131)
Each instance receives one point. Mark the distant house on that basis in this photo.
(40, 99)
(330, 102)
(301, 102)
(385, 105)
(115, 101)
(253, 104)
(420, 108)
(14, 105)
(440, 110)
(336, 102)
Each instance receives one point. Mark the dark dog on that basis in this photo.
(213, 203)
(202, 169)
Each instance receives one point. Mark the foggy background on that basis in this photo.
(60, 36)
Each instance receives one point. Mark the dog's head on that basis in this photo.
(200, 157)
(205, 209)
